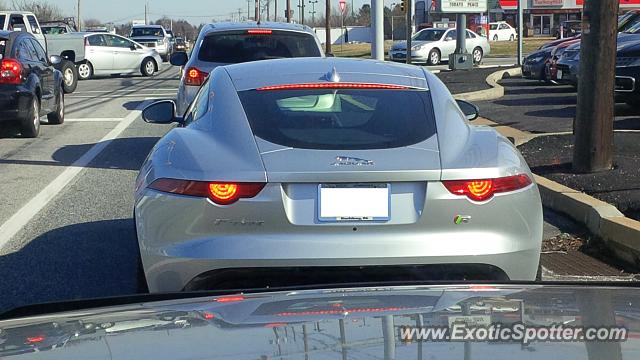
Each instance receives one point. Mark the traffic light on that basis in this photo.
(402, 5)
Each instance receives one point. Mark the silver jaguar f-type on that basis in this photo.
(291, 169)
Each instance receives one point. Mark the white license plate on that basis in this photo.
(353, 202)
(559, 75)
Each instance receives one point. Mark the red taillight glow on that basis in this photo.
(208, 316)
(259, 31)
(35, 339)
(222, 193)
(194, 76)
(481, 190)
(340, 312)
(10, 71)
(231, 298)
(331, 85)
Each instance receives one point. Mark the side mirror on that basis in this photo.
(468, 109)
(161, 112)
(55, 59)
(179, 58)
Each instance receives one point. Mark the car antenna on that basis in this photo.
(333, 75)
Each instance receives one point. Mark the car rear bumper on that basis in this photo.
(418, 57)
(184, 238)
(14, 104)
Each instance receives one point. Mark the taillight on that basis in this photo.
(259, 31)
(332, 85)
(10, 72)
(194, 77)
(230, 298)
(34, 339)
(484, 189)
(222, 193)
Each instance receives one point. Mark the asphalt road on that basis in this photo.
(67, 197)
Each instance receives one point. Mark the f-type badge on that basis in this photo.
(351, 161)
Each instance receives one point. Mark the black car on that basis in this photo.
(30, 86)
(628, 73)
(533, 66)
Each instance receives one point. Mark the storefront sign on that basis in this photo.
(548, 2)
(461, 6)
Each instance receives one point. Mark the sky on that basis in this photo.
(194, 11)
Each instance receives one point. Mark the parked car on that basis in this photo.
(154, 37)
(501, 30)
(534, 64)
(432, 45)
(27, 22)
(232, 43)
(568, 65)
(110, 54)
(556, 52)
(30, 87)
(310, 153)
(629, 19)
(568, 28)
(628, 73)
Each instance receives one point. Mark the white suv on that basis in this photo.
(154, 37)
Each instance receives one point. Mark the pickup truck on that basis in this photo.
(68, 46)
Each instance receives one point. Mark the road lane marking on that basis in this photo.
(158, 96)
(93, 119)
(125, 90)
(25, 214)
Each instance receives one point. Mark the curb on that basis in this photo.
(620, 234)
(495, 92)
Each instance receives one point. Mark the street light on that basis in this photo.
(313, 12)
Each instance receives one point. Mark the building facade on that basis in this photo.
(541, 17)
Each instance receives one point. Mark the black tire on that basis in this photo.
(434, 57)
(85, 70)
(495, 37)
(511, 38)
(69, 76)
(30, 126)
(148, 67)
(477, 59)
(57, 117)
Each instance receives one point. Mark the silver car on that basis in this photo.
(299, 166)
(110, 54)
(432, 45)
(232, 43)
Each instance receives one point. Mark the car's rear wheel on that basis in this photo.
(85, 71)
(148, 67)
(69, 76)
(57, 117)
(30, 125)
(477, 55)
(511, 38)
(495, 37)
(434, 57)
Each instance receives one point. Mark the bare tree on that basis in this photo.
(91, 23)
(44, 10)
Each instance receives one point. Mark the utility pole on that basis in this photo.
(377, 29)
(146, 9)
(520, 33)
(301, 9)
(257, 15)
(239, 15)
(288, 11)
(248, 7)
(327, 26)
(409, 30)
(313, 11)
(268, 8)
(593, 127)
(275, 10)
(79, 24)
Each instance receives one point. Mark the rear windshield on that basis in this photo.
(340, 119)
(429, 35)
(147, 32)
(54, 30)
(240, 46)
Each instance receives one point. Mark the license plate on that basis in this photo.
(559, 75)
(353, 202)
